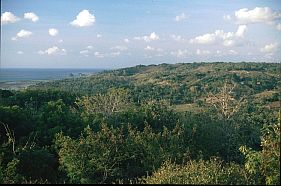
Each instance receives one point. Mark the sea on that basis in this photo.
(21, 78)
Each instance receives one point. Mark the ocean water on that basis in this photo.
(13, 74)
(15, 79)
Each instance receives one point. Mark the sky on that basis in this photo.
(124, 33)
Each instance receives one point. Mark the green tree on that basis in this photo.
(265, 164)
(212, 171)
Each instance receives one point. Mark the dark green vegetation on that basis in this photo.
(199, 123)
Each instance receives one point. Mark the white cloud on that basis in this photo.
(126, 40)
(204, 39)
(228, 42)
(232, 52)
(84, 52)
(202, 52)
(87, 51)
(269, 47)
(8, 17)
(83, 19)
(32, 16)
(180, 53)
(278, 26)
(241, 30)
(90, 47)
(20, 52)
(61, 40)
(53, 51)
(256, 15)
(151, 37)
(180, 17)
(99, 35)
(226, 38)
(22, 34)
(177, 38)
(99, 55)
(227, 17)
(149, 48)
(53, 31)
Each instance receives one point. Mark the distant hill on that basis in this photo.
(182, 83)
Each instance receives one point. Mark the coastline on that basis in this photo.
(19, 85)
(20, 79)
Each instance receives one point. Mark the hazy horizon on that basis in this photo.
(117, 34)
(92, 68)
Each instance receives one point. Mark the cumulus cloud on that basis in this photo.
(152, 37)
(226, 38)
(148, 38)
(177, 38)
(256, 15)
(180, 17)
(228, 42)
(180, 53)
(204, 39)
(149, 48)
(126, 40)
(99, 35)
(269, 48)
(53, 32)
(53, 51)
(22, 34)
(241, 30)
(8, 17)
(32, 16)
(20, 52)
(202, 52)
(83, 19)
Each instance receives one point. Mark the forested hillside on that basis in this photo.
(179, 83)
(194, 123)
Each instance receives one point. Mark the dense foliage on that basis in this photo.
(199, 123)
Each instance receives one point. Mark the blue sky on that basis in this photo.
(114, 34)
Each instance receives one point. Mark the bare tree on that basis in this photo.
(11, 136)
(225, 102)
(115, 100)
